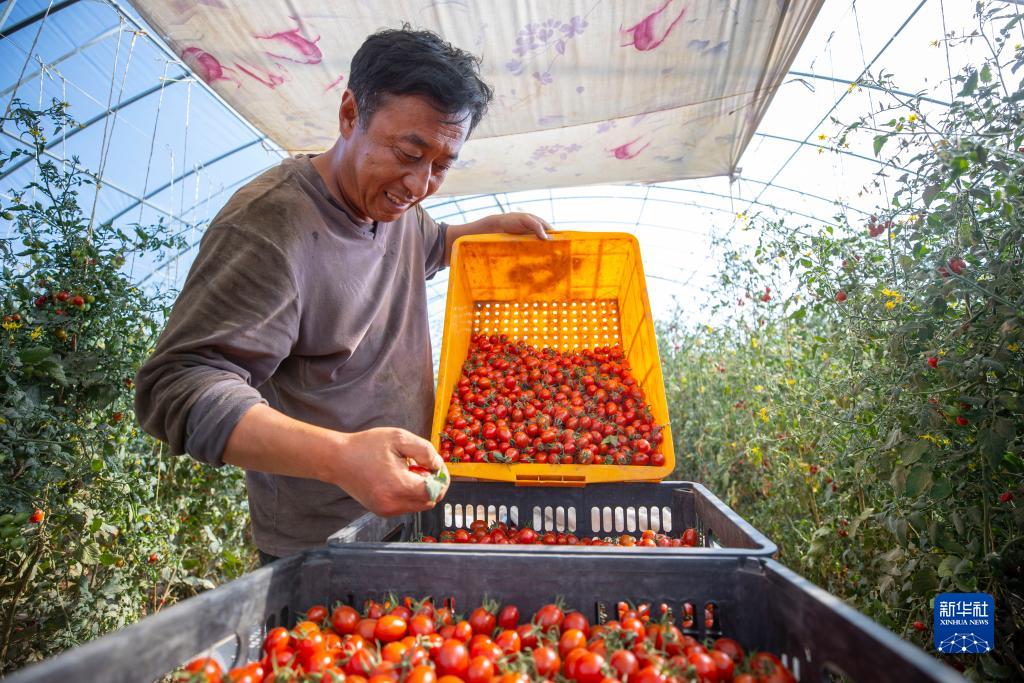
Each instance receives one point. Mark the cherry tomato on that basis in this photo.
(206, 667)
(452, 658)
(482, 620)
(389, 628)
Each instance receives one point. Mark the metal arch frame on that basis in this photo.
(95, 40)
(818, 197)
(169, 53)
(186, 174)
(444, 217)
(6, 13)
(819, 77)
(92, 175)
(113, 3)
(162, 47)
(841, 98)
(676, 189)
(28, 21)
(807, 143)
(61, 139)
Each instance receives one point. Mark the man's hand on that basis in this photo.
(382, 481)
(372, 466)
(516, 224)
(509, 223)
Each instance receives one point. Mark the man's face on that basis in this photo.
(400, 158)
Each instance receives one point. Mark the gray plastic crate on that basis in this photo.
(595, 510)
(756, 601)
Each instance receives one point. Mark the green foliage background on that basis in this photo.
(860, 398)
(858, 395)
(126, 529)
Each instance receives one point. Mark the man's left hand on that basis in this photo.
(516, 223)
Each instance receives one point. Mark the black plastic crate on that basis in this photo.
(596, 510)
(756, 600)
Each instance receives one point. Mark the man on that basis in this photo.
(299, 348)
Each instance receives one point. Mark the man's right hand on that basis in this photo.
(372, 466)
(381, 479)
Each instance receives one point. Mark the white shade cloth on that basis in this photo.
(586, 91)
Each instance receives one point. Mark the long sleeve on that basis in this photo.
(235, 320)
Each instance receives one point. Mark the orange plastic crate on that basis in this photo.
(577, 290)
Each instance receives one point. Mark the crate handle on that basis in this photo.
(560, 480)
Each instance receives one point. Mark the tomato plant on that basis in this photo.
(98, 525)
(867, 417)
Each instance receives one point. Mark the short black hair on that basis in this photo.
(407, 62)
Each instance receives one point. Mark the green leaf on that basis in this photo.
(993, 669)
(106, 558)
(986, 74)
(919, 480)
(948, 566)
(1005, 428)
(914, 451)
(970, 85)
(880, 141)
(895, 436)
(924, 582)
(967, 582)
(941, 489)
(34, 354)
(899, 479)
(89, 554)
(436, 484)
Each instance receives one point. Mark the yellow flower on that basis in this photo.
(753, 342)
(851, 87)
(701, 389)
(912, 118)
(821, 150)
(934, 43)
(758, 388)
(890, 304)
(10, 326)
(710, 329)
(36, 333)
(790, 381)
(763, 414)
(822, 136)
(1012, 347)
(755, 455)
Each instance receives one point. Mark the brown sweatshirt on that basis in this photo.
(292, 303)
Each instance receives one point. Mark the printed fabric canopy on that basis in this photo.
(587, 91)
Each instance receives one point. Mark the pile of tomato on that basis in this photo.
(515, 403)
(502, 533)
(411, 641)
